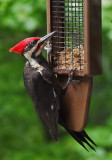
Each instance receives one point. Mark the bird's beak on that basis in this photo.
(46, 38)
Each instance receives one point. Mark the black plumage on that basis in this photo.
(42, 86)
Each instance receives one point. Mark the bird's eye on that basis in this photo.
(32, 43)
(30, 46)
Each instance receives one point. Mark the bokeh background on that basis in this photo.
(22, 135)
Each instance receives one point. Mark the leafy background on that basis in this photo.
(22, 135)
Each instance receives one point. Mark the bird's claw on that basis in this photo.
(70, 76)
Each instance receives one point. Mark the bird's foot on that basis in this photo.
(72, 72)
(70, 76)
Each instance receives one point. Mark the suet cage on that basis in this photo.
(77, 46)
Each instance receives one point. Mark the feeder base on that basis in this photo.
(76, 102)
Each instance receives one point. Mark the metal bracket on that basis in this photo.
(48, 48)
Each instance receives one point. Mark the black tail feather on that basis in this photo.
(85, 135)
(77, 138)
(83, 139)
(80, 137)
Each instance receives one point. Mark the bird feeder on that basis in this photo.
(77, 46)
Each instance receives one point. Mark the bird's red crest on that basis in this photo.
(21, 45)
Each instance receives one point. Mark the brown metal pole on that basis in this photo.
(92, 37)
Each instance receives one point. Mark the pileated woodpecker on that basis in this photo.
(43, 88)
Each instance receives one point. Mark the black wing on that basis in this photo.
(44, 98)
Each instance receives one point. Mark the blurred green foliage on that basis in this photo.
(23, 15)
(22, 135)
